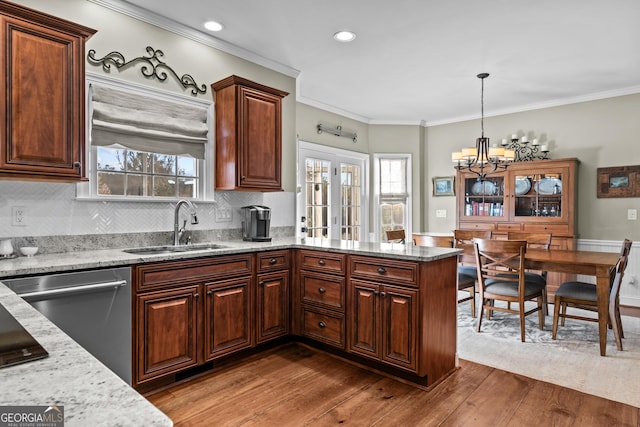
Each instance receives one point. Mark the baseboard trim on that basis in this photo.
(628, 310)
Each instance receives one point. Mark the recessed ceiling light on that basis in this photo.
(213, 26)
(344, 36)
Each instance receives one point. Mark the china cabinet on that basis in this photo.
(536, 196)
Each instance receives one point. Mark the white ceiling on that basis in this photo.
(416, 61)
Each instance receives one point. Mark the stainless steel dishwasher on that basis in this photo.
(92, 307)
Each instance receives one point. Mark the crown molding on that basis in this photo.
(632, 90)
(160, 21)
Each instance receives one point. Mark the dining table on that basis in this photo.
(599, 264)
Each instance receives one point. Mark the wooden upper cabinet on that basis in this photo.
(248, 135)
(42, 113)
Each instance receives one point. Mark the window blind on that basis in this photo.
(145, 123)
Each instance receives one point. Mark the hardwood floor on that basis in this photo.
(298, 386)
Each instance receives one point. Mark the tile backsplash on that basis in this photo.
(52, 210)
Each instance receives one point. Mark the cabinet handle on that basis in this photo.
(376, 292)
(78, 166)
(382, 270)
(321, 262)
(322, 324)
(196, 295)
(261, 283)
(322, 290)
(243, 177)
(209, 292)
(383, 294)
(273, 261)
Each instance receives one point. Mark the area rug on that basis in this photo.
(573, 360)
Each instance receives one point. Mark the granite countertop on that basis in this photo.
(81, 260)
(91, 394)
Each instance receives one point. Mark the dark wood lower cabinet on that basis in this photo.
(272, 306)
(384, 323)
(394, 315)
(197, 311)
(228, 315)
(167, 324)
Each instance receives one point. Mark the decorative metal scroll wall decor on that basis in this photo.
(526, 150)
(154, 67)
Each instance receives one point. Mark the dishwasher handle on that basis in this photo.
(72, 290)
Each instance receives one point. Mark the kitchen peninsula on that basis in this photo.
(408, 292)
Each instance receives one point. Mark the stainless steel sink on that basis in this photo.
(154, 250)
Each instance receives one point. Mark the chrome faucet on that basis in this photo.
(178, 232)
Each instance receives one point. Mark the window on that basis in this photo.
(124, 172)
(392, 193)
(145, 144)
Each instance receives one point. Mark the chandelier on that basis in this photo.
(482, 160)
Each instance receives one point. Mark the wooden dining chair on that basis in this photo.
(583, 295)
(535, 241)
(397, 236)
(465, 282)
(463, 239)
(501, 277)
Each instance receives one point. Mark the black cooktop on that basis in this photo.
(16, 344)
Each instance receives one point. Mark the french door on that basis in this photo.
(333, 192)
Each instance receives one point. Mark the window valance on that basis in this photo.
(146, 123)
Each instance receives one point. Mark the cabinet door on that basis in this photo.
(260, 135)
(400, 326)
(482, 200)
(43, 100)
(539, 196)
(166, 335)
(365, 320)
(227, 315)
(272, 305)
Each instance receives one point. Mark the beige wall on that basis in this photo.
(599, 133)
(371, 139)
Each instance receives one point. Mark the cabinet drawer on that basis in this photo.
(509, 227)
(172, 273)
(325, 262)
(323, 289)
(385, 270)
(478, 226)
(272, 260)
(549, 228)
(324, 326)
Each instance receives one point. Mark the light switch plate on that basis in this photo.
(632, 214)
(441, 213)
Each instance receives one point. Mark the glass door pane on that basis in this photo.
(350, 188)
(484, 198)
(539, 194)
(318, 197)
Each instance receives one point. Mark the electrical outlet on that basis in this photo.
(224, 214)
(18, 216)
(632, 214)
(441, 213)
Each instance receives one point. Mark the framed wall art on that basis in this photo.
(619, 181)
(444, 186)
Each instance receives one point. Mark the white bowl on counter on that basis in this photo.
(29, 251)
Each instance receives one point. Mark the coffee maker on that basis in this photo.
(255, 223)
